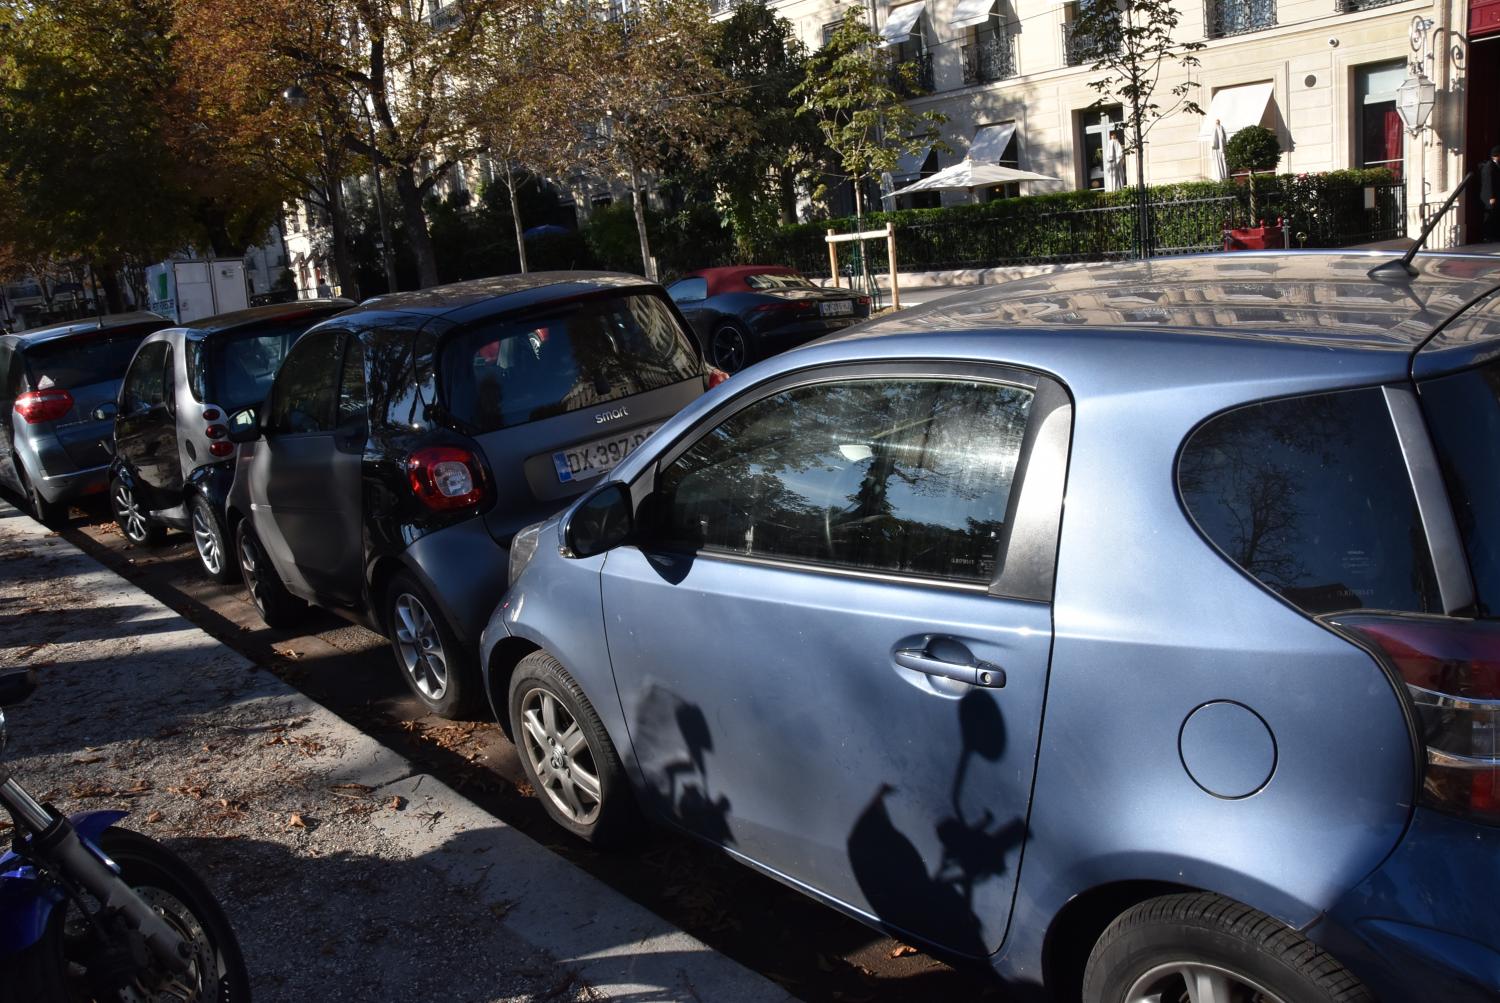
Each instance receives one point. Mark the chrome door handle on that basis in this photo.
(975, 672)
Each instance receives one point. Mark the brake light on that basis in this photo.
(716, 376)
(221, 448)
(785, 305)
(43, 405)
(216, 431)
(211, 414)
(1451, 668)
(445, 478)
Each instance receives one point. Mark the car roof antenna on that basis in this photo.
(1402, 268)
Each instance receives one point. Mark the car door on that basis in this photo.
(305, 476)
(146, 426)
(831, 643)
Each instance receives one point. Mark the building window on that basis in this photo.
(922, 200)
(1235, 17)
(989, 55)
(1094, 125)
(905, 31)
(827, 32)
(1379, 139)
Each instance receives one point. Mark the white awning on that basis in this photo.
(990, 142)
(1237, 107)
(899, 24)
(971, 13)
(909, 165)
(967, 175)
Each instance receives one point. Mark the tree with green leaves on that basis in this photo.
(855, 90)
(1130, 47)
(758, 167)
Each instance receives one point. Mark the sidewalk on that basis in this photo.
(347, 874)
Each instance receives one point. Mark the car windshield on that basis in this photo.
(234, 369)
(778, 281)
(81, 361)
(510, 371)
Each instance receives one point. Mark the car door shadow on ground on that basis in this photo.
(936, 904)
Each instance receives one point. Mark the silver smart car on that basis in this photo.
(53, 449)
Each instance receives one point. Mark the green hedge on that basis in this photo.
(1094, 225)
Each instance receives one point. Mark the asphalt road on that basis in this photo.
(815, 952)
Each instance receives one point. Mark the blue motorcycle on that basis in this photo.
(89, 912)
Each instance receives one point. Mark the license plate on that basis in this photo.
(838, 308)
(591, 459)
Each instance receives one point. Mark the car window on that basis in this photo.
(910, 476)
(353, 403)
(6, 391)
(82, 360)
(1310, 495)
(1463, 414)
(778, 282)
(303, 396)
(688, 290)
(511, 371)
(146, 382)
(235, 369)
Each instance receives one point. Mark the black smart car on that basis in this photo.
(186, 388)
(403, 443)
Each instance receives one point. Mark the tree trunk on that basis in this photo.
(109, 278)
(787, 184)
(515, 215)
(338, 222)
(420, 241)
(648, 267)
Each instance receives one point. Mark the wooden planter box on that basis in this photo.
(1256, 238)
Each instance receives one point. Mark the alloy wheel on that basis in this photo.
(207, 540)
(128, 511)
(1197, 982)
(421, 647)
(729, 349)
(250, 566)
(560, 756)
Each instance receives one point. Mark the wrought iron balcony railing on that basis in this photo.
(918, 81)
(989, 59)
(1236, 17)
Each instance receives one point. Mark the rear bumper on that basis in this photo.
(1424, 926)
(74, 484)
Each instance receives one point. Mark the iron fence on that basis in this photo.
(1236, 17)
(989, 59)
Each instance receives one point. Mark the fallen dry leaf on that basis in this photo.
(87, 760)
(397, 802)
(296, 821)
(903, 951)
(155, 816)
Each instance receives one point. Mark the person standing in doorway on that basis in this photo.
(1114, 162)
(1489, 195)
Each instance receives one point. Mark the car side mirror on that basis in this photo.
(247, 432)
(106, 411)
(602, 522)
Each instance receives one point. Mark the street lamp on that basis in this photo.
(1414, 100)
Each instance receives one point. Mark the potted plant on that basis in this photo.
(1251, 150)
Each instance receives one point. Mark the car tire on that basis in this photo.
(1156, 946)
(438, 668)
(277, 606)
(729, 347)
(45, 512)
(130, 515)
(577, 775)
(211, 541)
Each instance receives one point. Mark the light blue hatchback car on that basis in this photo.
(1134, 630)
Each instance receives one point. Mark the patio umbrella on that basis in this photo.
(967, 175)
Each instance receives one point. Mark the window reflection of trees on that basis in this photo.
(597, 351)
(910, 476)
(1310, 496)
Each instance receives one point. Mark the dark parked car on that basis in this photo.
(53, 449)
(1224, 726)
(404, 442)
(747, 312)
(185, 389)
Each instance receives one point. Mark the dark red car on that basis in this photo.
(742, 313)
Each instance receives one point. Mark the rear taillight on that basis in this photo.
(221, 448)
(1451, 668)
(446, 477)
(785, 306)
(43, 405)
(716, 376)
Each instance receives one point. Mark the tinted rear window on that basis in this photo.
(778, 282)
(1463, 414)
(80, 361)
(511, 371)
(1310, 495)
(235, 369)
